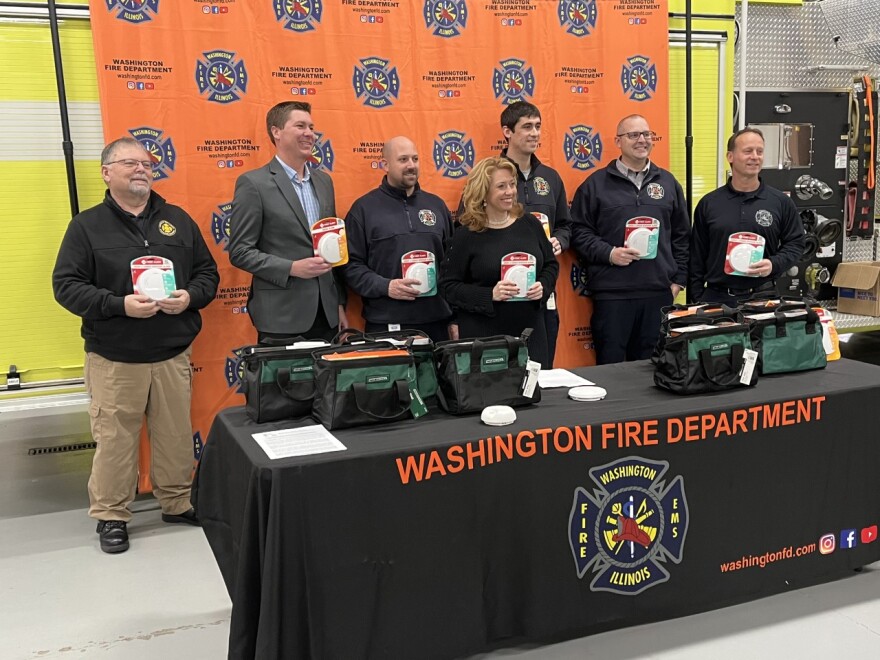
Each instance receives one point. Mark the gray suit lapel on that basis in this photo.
(288, 192)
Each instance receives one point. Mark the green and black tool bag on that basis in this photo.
(364, 383)
(701, 355)
(787, 337)
(706, 311)
(422, 348)
(475, 373)
(278, 381)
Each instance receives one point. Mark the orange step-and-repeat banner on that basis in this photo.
(193, 79)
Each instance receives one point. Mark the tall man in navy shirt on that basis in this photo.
(744, 204)
(628, 285)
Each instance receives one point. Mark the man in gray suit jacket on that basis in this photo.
(293, 292)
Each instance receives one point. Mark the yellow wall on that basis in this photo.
(35, 333)
(705, 94)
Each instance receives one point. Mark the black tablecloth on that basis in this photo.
(432, 538)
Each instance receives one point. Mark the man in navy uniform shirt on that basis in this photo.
(744, 204)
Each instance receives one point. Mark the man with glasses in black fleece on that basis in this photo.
(630, 280)
(138, 341)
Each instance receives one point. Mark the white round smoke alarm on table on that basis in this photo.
(741, 257)
(151, 282)
(419, 272)
(498, 415)
(638, 240)
(519, 275)
(328, 247)
(587, 393)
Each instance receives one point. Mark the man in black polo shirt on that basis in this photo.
(745, 204)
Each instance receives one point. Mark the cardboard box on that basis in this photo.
(858, 285)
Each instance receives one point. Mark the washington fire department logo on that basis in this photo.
(512, 81)
(446, 17)
(639, 78)
(453, 154)
(160, 149)
(220, 224)
(655, 191)
(235, 372)
(134, 11)
(298, 15)
(222, 76)
(577, 16)
(322, 154)
(166, 228)
(376, 82)
(627, 529)
(427, 217)
(583, 148)
(764, 218)
(541, 186)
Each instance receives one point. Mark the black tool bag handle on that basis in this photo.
(811, 317)
(726, 310)
(349, 336)
(403, 399)
(280, 342)
(289, 388)
(513, 346)
(736, 363)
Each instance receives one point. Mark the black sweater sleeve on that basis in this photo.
(455, 285)
(73, 276)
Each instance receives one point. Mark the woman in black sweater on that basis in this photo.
(494, 225)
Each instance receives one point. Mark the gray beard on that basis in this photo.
(139, 191)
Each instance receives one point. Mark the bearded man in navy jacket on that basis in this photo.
(387, 223)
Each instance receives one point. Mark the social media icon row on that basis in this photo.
(849, 538)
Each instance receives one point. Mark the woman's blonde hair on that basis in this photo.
(476, 191)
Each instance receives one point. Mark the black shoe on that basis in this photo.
(189, 517)
(114, 536)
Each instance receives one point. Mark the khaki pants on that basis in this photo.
(122, 394)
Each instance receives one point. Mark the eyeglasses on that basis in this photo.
(131, 163)
(635, 135)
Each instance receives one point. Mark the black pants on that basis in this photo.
(551, 325)
(625, 330)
